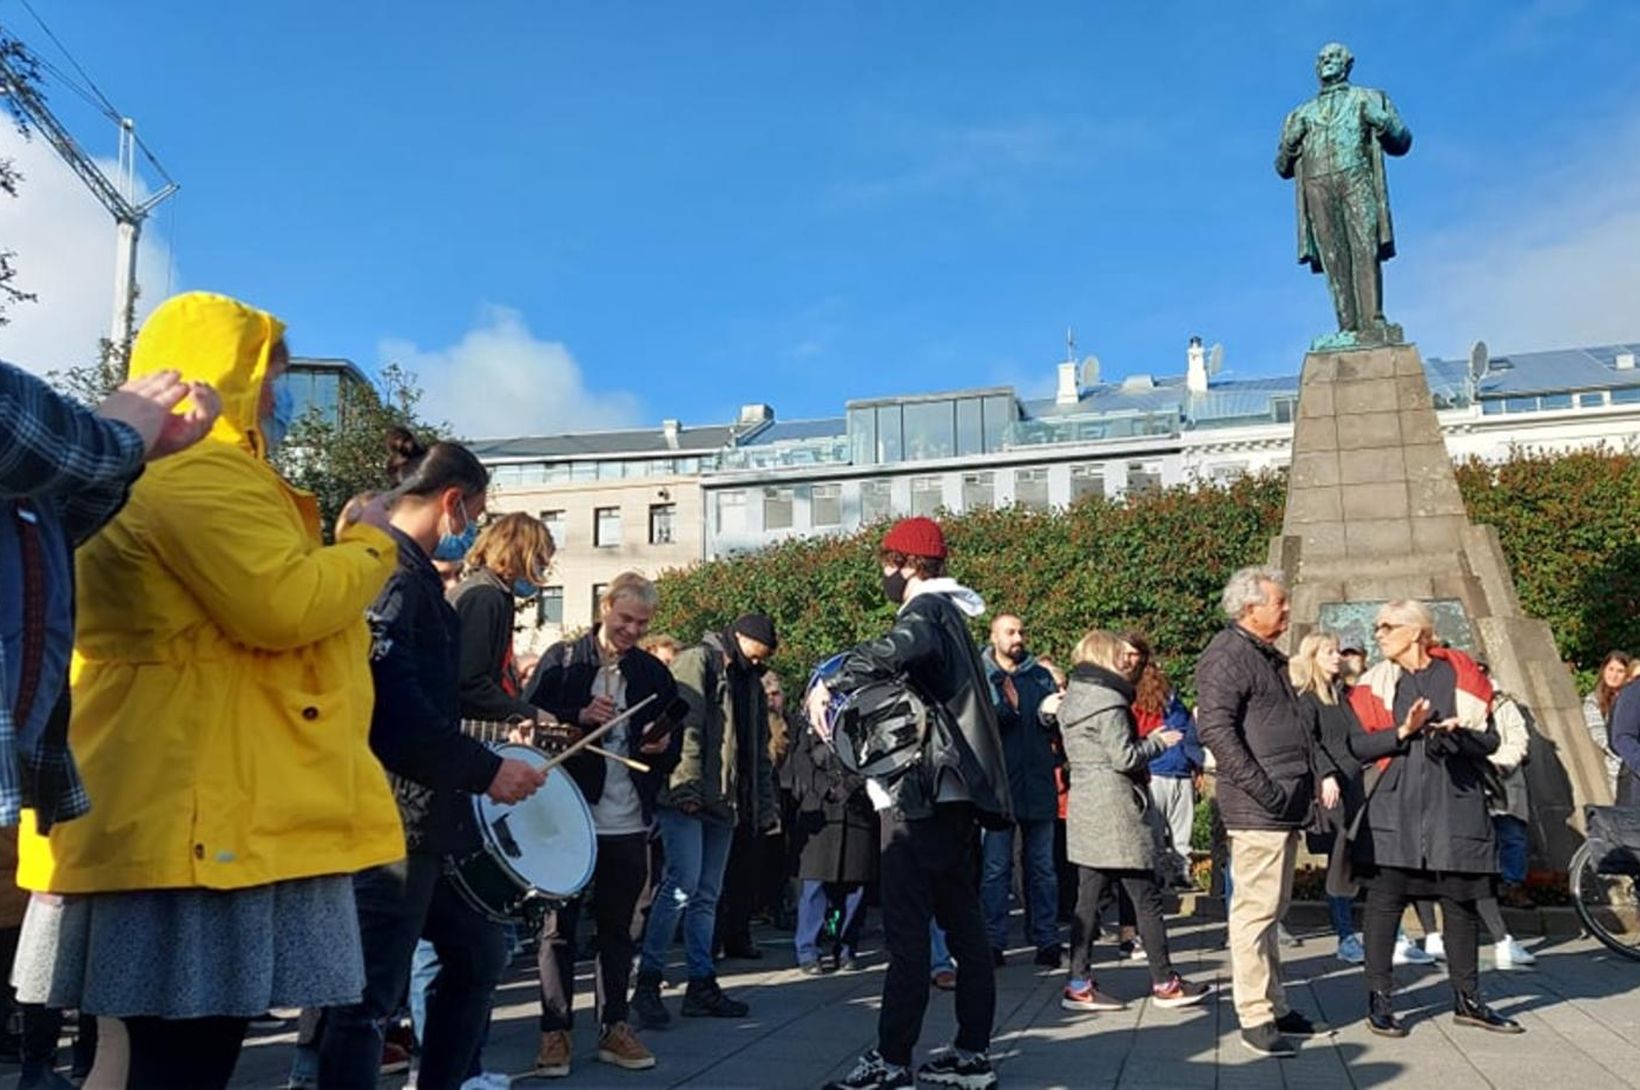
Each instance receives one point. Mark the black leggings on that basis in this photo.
(1460, 929)
(1147, 902)
(168, 1053)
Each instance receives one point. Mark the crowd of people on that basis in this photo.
(264, 758)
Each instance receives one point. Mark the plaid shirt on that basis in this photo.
(77, 468)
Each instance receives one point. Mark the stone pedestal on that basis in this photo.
(1374, 513)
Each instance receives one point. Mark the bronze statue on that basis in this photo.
(1335, 146)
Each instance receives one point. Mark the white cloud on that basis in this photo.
(500, 380)
(1551, 260)
(64, 241)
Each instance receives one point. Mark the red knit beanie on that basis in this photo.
(916, 537)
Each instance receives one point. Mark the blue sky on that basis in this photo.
(565, 214)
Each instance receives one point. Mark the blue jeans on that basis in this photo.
(1342, 920)
(1041, 883)
(1514, 844)
(696, 853)
(939, 952)
(812, 906)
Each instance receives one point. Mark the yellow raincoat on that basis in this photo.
(221, 676)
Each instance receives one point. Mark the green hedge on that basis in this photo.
(1570, 525)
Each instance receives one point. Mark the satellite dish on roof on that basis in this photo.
(1215, 360)
(1479, 361)
(1090, 370)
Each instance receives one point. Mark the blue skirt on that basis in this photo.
(193, 953)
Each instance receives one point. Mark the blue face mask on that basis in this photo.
(523, 588)
(277, 424)
(454, 546)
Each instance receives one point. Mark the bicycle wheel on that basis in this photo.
(1608, 904)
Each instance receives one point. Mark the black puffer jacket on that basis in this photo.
(930, 645)
(415, 730)
(563, 686)
(1250, 719)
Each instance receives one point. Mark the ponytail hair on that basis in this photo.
(415, 469)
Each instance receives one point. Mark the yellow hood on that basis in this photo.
(212, 338)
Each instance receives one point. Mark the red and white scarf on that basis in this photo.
(1373, 698)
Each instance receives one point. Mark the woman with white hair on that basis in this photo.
(1425, 833)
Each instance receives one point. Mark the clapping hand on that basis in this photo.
(1417, 716)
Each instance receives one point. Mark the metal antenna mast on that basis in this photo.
(117, 194)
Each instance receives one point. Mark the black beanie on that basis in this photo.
(757, 626)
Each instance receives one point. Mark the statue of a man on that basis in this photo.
(1335, 145)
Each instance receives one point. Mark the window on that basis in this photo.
(862, 436)
(731, 512)
(979, 489)
(554, 522)
(1282, 409)
(876, 500)
(970, 429)
(1225, 472)
(598, 590)
(1087, 479)
(890, 434)
(1031, 488)
(1626, 395)
(606, 530)
(777, 508)
(927, 495)
(930, 430)
(1144, 477)
(662, 516)
(826, 505)
(1491, 406)
(1555, 401)
(999, 414)
(583, 471)
(1521, 404)
(549, 607)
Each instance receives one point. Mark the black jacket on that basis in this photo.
(1330, 725)
(836, 834)
(488, 677)
(563, 686)
(415, 729)
(1030, 746)
(930, 645)
(1249, 717)
(1428, 811)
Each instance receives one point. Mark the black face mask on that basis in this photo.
(894, 586)
(739, 660)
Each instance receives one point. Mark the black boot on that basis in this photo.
(646, 1005)
(1468, 1010)
(704, 999)
(1381, 1016)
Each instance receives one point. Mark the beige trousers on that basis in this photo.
(1261, 867)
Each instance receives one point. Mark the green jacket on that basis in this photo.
(707, 773)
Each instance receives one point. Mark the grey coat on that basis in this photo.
(1105, 814)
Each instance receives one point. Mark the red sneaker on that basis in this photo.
(1086, 996)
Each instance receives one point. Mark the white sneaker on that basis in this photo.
(1350, 950)
(1408, 954)
(1435, 945)
(1509, 954)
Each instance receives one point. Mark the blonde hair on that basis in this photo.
(1410, 611)
(1306, 672)
(660, 641)
(515, 545)
(629, 584)
(1102, 649)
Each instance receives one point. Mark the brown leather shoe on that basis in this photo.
(552, 1062)
(621, 1047)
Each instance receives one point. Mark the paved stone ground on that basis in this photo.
(1581, 1007)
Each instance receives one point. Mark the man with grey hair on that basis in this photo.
(1249, 718)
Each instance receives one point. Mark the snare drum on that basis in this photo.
(536, 854)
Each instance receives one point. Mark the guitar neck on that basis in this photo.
(495, 734)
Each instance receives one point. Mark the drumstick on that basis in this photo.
(636, 766)
(593, 736)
